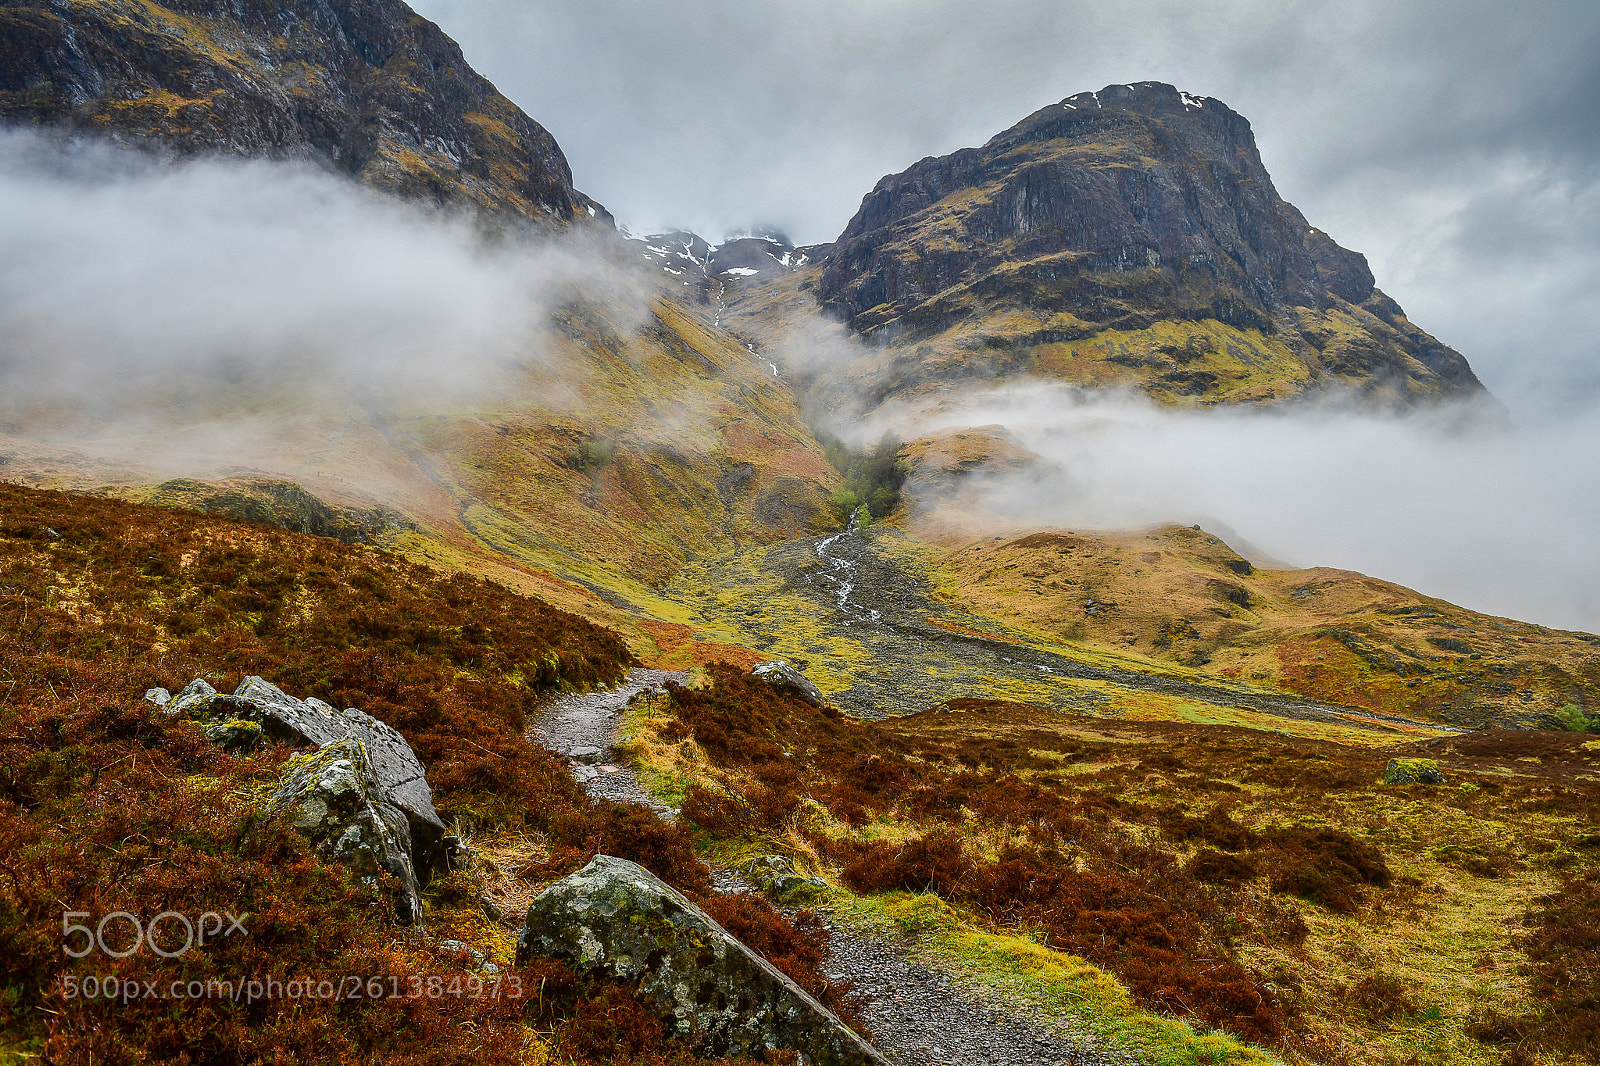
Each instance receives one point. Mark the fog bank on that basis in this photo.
(135, 290)
(1495, 518)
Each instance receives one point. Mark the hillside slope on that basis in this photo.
(100, 600)
(627, 431)
(587, 479)
(1181, 595)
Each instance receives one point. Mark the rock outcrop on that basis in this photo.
(781, 675)
(1140, 218)
(1413, 772)
(366, 87)
(361, 798)
(334, 800)
(283, 504)
(615, 918)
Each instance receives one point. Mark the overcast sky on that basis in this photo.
(1455, 142)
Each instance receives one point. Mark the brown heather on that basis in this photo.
(108, 804)
(1126, 843)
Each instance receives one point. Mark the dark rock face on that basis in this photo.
(616, 918)
(283, 504)
(749, 256)
(1121, 208)
(366, 87)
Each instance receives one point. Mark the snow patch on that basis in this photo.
(741, 272)
(1192, 101)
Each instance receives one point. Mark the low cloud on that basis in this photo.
(1451, 502)
(141, 292)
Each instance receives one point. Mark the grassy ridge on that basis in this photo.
(1177, 595)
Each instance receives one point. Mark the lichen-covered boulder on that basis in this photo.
(236, 734)
(781, 675)
(404, 784)
(779, 882)
(258, 710)
(1413, 772)
(616, 918)
(331, 796)
(196, 694)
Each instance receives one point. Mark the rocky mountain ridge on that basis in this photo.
(364, 87)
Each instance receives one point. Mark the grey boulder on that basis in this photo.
(781, 675)
(618, 919)
(195, 694)
(259, 710)
(586, 753)
(332, 798)
(779, 882)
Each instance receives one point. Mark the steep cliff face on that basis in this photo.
(1140, 220)
(364, 86)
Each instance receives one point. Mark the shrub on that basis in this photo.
(872, 477)
(1572, 719)
(1325, 866)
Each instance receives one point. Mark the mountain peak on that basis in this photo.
(1120, 210)
(1144, 96)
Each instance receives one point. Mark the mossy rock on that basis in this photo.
(618, 920)
(779, 882)
(1413, 772)
(236, 734)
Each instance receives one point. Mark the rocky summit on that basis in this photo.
(1129, 236)
(363, 86)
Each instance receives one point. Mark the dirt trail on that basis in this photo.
(917, 1015)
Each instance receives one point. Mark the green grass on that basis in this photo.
(1060, 990)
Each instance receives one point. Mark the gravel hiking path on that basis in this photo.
(917, 1016)
(584, 726)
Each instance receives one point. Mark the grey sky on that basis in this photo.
(1455, 142)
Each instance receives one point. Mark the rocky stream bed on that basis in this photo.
(849, 604)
